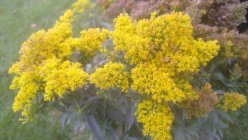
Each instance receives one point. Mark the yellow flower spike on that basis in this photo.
(79, 6)
(157, 82)
(162, 49)
(28, 85)
(110, 76)
(44, 64)
(169, 34)
(164, 55)
(232, 101)
(62, 78)
(156, 119)
(91, 40)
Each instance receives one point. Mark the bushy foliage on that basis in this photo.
(148, 71)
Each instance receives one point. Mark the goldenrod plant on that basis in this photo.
(127, 82)
(223, 20)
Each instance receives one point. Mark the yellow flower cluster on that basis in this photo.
(90, 42)
(44, 65)
(62, 78)
(160, 53)
(110, 76)
(80, 5)
(28, 84)
(164, 55)
(44, 45)
(232, 101)
(162, 49)
(157, 119)
(157, 82)
(164, 39)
